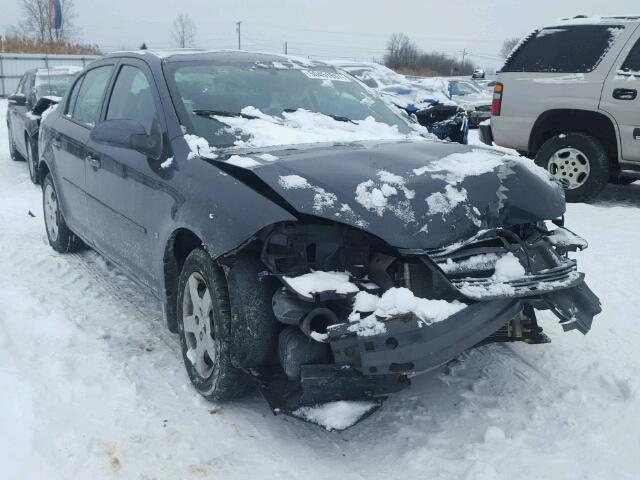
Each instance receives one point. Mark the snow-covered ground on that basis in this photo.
(92, 387)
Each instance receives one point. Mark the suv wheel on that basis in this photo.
(61, 238)
(204, 324)
(32, 161)
(579, 162)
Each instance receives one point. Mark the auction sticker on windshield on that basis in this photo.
(325, 75)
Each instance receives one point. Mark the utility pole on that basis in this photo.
(285, 48)
(464, 54)
(238, 30)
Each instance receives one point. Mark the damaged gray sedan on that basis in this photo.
(300, 233)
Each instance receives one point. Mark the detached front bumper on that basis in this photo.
(409, 346)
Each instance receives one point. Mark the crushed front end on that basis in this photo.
(360, 318)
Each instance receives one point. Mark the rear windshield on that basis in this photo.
(566, 49)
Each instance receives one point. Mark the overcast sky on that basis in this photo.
(327, 28)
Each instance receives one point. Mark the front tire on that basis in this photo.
(579, 162)
(32, 161)
(204, 325)
(61, 238)
(13, 153)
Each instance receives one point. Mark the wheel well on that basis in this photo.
(180, 244)
(555, 122)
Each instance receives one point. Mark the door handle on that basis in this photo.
(625, 93)
(93, 161)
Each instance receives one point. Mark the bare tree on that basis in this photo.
(401, 52)
(404, 56)
(35, 21)
(508, 45)
(183, 31)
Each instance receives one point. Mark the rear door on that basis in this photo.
(123, 183)
(621, 99)
(69, 137)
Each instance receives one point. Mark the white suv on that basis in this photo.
(568, 97)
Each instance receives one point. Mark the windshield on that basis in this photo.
(463, 88)
(210, 97)
(53, 85)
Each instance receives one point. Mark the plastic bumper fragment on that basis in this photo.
(409, 345)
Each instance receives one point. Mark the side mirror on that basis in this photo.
(19, 99)
(128, 134)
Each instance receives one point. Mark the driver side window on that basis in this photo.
(132, 99)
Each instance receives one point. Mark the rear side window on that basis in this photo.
(90, 95)
(570, 49)
(631, 65)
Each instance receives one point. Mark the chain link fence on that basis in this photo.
(13, 66)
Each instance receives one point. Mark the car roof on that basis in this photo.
(59, 70)
(223, 56)
(595, 20)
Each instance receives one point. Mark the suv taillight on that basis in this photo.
(496, 104)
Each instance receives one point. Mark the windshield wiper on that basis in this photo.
(338, 118)
(221, 113)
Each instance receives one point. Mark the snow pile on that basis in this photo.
(316, 282)
(397, 301)
(382, 195)
(244, 162)
(483, 261)
(445, 202)
(562, 237)
(199, 147)
(336, 415)
(321, 198)
(508, 268)
(268, 157)
(303, 126)
(456, 167)
(167, 163)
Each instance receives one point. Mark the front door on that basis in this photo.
(122, 183)
(621, 99)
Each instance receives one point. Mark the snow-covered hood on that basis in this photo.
(475, 99)
(413, 195)
(412, 98)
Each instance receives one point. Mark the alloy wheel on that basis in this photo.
(197, 320)
(570, 167)
(51, 212)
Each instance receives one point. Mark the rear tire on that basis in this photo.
(61, 238)
(204, 325)
(579, 162)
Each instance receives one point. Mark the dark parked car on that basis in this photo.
(428, 99)
(299, 231)
(37, 90)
